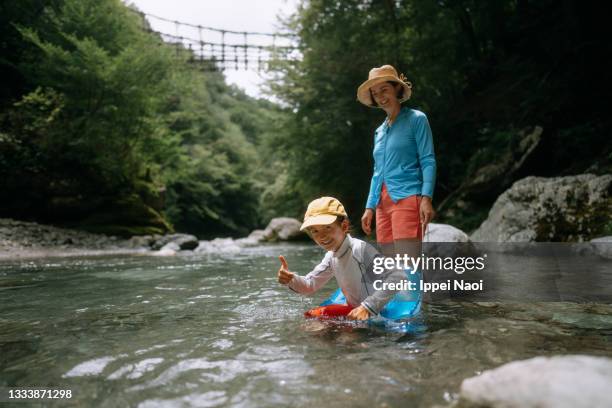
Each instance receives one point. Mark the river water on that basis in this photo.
(218, 330)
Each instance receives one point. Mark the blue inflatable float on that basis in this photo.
(396, 314)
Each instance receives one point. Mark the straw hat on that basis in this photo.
(323, 211)
(379, 75)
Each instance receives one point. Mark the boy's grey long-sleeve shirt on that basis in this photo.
(352, 266)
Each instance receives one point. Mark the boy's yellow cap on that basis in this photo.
(323, 211)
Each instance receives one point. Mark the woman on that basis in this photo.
(402, 185)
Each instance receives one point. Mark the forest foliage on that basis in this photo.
(103, 126)
(481, 70)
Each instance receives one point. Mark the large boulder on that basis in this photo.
(283, 229)
(572, 381)
(445, 240)
(218, 245)
(572, 208)
(444, 233)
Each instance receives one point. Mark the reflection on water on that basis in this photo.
(218, 330)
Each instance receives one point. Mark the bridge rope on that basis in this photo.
(288, 35)
(214, 55)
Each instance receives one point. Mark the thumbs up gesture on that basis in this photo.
(284, 276)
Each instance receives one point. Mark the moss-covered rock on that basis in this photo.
(560, 209)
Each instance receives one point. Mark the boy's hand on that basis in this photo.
(366, 221)
(359, 313)
(284, 276)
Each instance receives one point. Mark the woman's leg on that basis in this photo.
(407, 235)
(408, 246)
(406, 226)
(384, 224)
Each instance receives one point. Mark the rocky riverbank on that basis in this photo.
(534, 209)
(22, 239)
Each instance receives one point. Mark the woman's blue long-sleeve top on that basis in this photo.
(404, 158)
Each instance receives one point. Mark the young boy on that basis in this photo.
(348, 259)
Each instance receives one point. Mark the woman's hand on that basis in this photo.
(359, 313)
(284, 276)
(426, 211)
(366, 221)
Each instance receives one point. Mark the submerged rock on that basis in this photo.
(572, 208)
(557, 382)
(585, 320)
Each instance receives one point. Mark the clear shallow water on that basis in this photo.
(218, 330)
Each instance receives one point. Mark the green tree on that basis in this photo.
(108, 125)
(478, 68)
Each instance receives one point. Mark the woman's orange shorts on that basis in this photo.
(399, 220)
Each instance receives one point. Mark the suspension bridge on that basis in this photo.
(215, 49)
